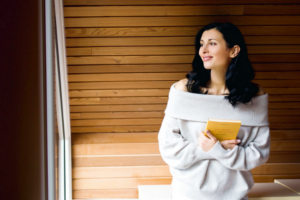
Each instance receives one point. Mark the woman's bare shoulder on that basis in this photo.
(260, 91)
(181, 85)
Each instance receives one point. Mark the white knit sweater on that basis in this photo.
(218, 174)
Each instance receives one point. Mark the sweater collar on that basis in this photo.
(200, 107)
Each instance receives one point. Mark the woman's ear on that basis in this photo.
(235, 51)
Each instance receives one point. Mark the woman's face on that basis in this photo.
(213, 50)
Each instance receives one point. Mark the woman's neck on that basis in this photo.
(216, 84)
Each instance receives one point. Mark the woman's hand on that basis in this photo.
(230, 144)
(206, 143)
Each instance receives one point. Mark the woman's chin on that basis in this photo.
(207, 67)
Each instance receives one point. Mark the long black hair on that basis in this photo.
(239, 73)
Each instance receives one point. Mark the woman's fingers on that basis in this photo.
(228, 144)
(235, 141)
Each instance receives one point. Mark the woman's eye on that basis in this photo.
(212, 43)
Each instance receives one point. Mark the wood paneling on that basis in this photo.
(151, 128)
(174, 2)
(123, 56)
(163, 171)
(275, 115)
(175, 31)
(101, 11)
(270, 85)
(171, 50)
(168, 76)
(158, 92)
(109, 194)
(170, 59)
(272, 10)
(158, 121)
(151, 137)
(179, 21)
(152, 148)
(110, 108)
(158, 100)
(170, 41)
(115, 129)
(142, 137)
(183, 10)
(155, 159)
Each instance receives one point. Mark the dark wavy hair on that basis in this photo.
(239, 73)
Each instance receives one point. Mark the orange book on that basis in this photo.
(223, 129)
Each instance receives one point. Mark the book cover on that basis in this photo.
(223, 129)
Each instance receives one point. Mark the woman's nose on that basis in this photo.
(203, 49)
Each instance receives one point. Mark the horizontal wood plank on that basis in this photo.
(284, 112)
(105, 108)
(173, 2)
(282, 90)
(132, 41)
(158, 100)
(176, 31)
(90, 69)
(117, 149)
(119, 93)
(129, 77)
(167, 76)
(101, 11)
(117, 183)
(182, 59)
(159, 107)
(133, 193)
(152, 148)
(119, 115)
(158, 120)
(179, 21)
(125, 11)
(116, 129)
(151, 128)
(172, 50)
(122, 183)
(272, 10)
(284, 135)
(289, 84)
(109, 194)
(158, 92)
(121, 172)
(284, 115)
(271, 178)
(164, 171)
(170, 41)
(142, 137)
(285, 125)
(117, 160)
(283, 105)
(156, 159)
(151, 137)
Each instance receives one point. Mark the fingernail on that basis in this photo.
(207, 131)
(238, 140)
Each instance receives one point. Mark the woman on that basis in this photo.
(219, 86)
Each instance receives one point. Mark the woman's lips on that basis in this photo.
(206, 58)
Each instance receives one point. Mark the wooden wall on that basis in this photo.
(123, 56)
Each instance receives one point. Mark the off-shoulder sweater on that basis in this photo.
(218, 174)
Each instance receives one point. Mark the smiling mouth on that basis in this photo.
(207, 58)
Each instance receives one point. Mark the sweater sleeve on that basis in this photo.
(175, 150)
(245, 158)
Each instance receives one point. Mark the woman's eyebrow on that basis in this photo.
(210, 39)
